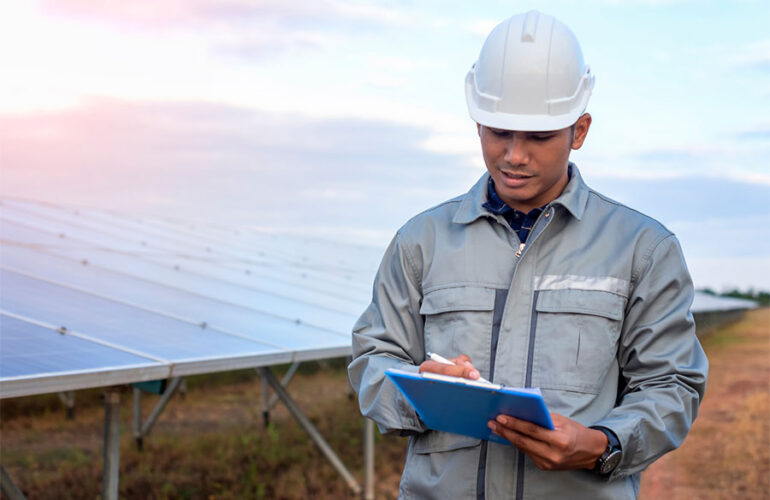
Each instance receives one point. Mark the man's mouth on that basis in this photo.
(515, 175)
(514, 179)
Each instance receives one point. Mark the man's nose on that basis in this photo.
(516, 152)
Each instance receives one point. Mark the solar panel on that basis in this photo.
(46, 351)
(148, 296)
(194, 307)
(314, 310)
(38, 360)
(704, 302)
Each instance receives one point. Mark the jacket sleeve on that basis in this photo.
(389, 334)
(662, 363)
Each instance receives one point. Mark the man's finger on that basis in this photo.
(441, 368)
(462, 359)
(527, 444)
(523, 427)
(462, 368)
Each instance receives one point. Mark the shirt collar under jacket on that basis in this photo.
(573, 198)
(519, 221)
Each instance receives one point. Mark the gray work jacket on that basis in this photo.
(594, 310)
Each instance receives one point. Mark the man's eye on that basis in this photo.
(500, 133)
(542, 138)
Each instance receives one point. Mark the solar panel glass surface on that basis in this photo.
(151, 295)
(28, 349)
(119, 324)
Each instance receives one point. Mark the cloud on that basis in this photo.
(172, 14)
(481, 27)
(241, 28)
(227, 164)
(754, 56)
(354, 178)
(758, 133)
(736, 156)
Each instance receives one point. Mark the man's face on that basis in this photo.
(530, 168)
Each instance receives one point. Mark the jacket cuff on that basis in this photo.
(409, 422)
(627, 433)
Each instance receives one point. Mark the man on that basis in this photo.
(532, 279)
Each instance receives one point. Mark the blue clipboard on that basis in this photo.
(464, 406)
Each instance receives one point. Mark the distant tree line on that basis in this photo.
(761, 297)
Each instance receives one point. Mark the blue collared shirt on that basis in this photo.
(519, 221)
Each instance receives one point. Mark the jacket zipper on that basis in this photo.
(531, 346)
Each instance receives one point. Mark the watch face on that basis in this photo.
(611, 462)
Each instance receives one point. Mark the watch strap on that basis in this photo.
(613, 448)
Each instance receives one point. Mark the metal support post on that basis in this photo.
(111, 444)
(265, 401)
(368, 459)
(310, 430)
(8, 487)
(183, 388)
(351, 392)
(68, 399)
(138, 418)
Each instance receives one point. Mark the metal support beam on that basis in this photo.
(142, 430)
(111, 444)
(8, 487)
(268, 403)
(68, 399)
(368, 459)
(310, 430)
(284, 382)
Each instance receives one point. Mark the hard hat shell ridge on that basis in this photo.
(530, 75)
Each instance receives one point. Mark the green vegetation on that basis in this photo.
(761, 297)
(210, 444)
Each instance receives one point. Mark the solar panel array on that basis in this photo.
(90, 298)
(704, 302)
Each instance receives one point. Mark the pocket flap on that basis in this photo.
(438, 441)
(594, 302)
(459, 298)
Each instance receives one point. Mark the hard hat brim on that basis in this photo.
(521, 122)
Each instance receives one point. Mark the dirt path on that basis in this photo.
(727, 454)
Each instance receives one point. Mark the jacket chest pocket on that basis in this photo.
(576, 338)
(458, 320)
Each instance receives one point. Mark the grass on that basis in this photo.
(211, 444)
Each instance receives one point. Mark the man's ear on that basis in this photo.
(478, 129)
(581, 130)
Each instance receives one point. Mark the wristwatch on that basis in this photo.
(610, 459)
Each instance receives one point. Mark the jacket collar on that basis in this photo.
(573, 198)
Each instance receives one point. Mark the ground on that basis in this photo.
(212, 443)
(727, 453)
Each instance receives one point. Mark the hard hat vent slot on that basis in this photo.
(530, 26)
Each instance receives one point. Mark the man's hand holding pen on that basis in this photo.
(460, 366)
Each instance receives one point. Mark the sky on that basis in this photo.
(344, 119)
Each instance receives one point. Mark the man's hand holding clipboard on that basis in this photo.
(569, 445)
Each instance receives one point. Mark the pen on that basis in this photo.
(438, 358)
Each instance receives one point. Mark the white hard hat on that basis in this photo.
(530, 76)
